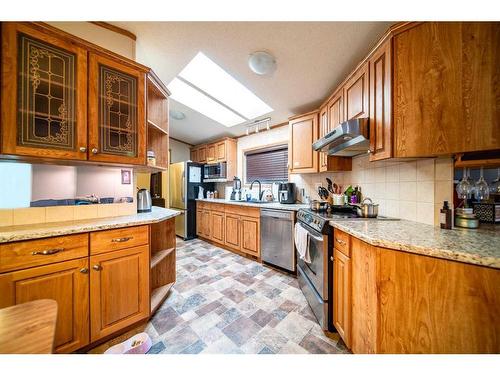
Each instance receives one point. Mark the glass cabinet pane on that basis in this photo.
(117, 112)
(46, 95)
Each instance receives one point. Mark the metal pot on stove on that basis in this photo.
(316, 205)
(366, 209)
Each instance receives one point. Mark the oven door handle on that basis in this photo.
(317, 238)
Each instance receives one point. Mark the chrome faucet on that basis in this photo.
(260, 188)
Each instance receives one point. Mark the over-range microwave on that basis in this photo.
(215, 172)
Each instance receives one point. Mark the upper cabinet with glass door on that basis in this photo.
(117, 119)
(44, 86)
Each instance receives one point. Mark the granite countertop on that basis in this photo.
(272, 205)
(32, 231)
(475, 246)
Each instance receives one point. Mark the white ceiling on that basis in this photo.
(312, 58)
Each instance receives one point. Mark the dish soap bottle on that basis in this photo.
(445, 216)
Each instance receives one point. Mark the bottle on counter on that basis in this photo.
(445, 216)
(216, 194)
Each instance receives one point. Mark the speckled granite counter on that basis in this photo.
(273, 205)
(480, 246)
(32, 231)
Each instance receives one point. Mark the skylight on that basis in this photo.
(189, 96)
(231, 102)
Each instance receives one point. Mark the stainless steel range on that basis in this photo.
(316, 278)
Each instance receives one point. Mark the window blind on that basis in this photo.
(269, 165)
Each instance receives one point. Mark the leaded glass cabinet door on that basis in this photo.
(44, 86)
(117, 124)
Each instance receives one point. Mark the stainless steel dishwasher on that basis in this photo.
(276, 238)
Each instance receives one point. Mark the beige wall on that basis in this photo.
(105, 38)
(179, 151)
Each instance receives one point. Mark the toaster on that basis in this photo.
(143, 200)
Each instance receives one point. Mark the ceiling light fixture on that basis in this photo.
(262, 63)
(177, 115)
(257, 123)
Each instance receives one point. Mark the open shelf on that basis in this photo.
(157, 120)
(158, 295)
(153, 126)
(158, 256)
(163, 258)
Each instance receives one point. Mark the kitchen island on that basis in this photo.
(406, 287)
(106, 275)
(475, 246)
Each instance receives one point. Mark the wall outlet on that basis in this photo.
(317, 185)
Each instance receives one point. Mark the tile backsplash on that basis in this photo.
(412, 190)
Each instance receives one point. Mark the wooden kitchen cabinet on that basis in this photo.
(446, 88)
(250, 235)
(68, 284)
(217, 228)
(303, 132)
(411, 303)
(211, 153)
(336, 110)
(381, 129)
(203, 223)
(356, 103)
(221, 151)
(119, 290)
(117, 128)
(364, 297)
(234, 227)
(44, 94)
(157, 114)
(66, 98)
(194, 154)
(202, 154)
(342, 296)
(232, 231)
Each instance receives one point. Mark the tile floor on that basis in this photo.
(224, 303)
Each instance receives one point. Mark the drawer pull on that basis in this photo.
(84, 270)
(340, 241)
(97, 267)
(122, 239)
(48, 252)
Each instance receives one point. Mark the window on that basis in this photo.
(267, 165)
(207, 88)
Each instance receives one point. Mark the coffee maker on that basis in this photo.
(286, 193)
(236, 193)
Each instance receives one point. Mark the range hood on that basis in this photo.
(350, 138)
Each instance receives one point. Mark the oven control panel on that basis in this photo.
(312, 220)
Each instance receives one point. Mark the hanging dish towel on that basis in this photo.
(302, 242)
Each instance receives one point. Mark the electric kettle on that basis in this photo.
(143, 200)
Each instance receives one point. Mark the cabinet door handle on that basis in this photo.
(95, 150)
(84, 270)
(97, 267)
(48, 252)
(83, 149)
(122, 239)
(340, 241)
